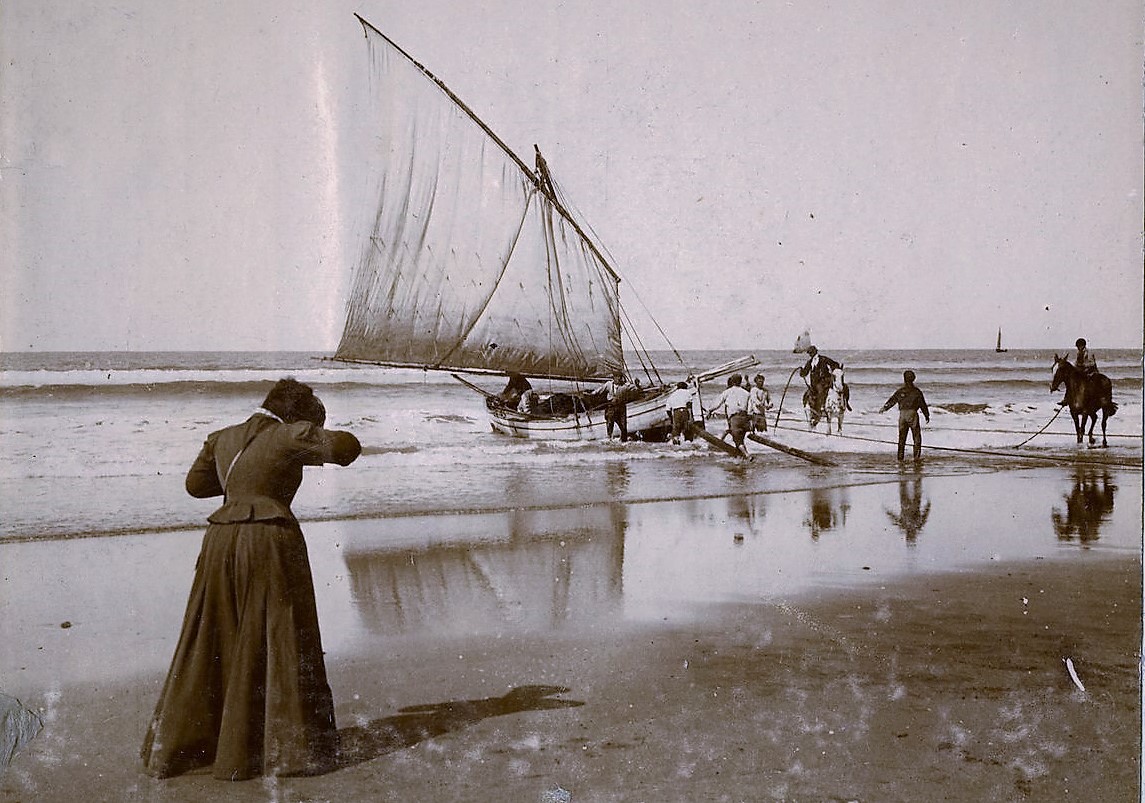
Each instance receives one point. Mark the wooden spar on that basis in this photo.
(471, 386)
(723, 446)
(791, 450)
(729, 367)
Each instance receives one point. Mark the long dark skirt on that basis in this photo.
(247, 689)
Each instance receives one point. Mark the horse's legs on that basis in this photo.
(1104, 418)
(1078, 425)
(1092, 423)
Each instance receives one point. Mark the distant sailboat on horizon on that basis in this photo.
(998, 348)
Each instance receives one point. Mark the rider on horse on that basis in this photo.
(817, 373)
(1086, 363)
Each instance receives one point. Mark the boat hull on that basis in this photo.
(647, 418)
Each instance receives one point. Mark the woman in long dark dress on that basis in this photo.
(247, 690)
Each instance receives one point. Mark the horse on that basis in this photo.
(835, 403)
(825, 387)
(1086, 394)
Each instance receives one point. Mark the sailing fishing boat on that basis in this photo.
(998, 348)
(475, 264)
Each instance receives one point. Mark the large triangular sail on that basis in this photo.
(471, 262)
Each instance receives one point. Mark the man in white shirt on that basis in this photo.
(759, 403)
(734, 401)
(679, 407)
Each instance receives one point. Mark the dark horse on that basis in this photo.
(1085, 395)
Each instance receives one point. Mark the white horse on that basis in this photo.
(835, 403)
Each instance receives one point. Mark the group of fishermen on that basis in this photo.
(613, 395)
(746, 407)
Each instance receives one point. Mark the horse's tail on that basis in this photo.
(1109, 408)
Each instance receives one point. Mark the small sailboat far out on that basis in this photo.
(998, 348)
(474, 264)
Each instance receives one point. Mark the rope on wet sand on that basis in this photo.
(789, 417)
(988, 452)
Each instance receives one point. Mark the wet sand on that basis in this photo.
(898, 640)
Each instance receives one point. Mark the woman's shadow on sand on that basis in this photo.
(361, 743)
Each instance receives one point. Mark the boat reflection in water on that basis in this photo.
(521, 570)
(594, 565)
(1087, 506)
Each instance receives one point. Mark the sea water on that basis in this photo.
(99, 443)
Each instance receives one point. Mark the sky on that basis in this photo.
(190, 175)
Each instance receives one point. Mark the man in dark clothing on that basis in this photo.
(1086, 363)
(910, 401)
(817, 373)
(618, 391)
(517, 387)
(1085, 359)
(818, 366)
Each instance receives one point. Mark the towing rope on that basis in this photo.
(987, 452)
(1043, 429)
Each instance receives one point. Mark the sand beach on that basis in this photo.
(868, 638)
(403, 208)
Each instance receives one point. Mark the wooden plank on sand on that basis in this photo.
(723, 446)
(791, 450)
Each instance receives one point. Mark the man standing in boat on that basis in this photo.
(515, 389)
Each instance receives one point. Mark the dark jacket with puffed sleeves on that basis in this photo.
(261, 483)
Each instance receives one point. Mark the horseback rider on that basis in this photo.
(816, 372)
(1086, 363)
(1085, 359)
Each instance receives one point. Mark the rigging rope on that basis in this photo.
(641, 350)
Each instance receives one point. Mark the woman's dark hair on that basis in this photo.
(293, 401)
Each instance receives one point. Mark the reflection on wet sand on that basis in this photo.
(588, 566)
(522, 569)
(913, 513)
(1088, 504)
(829, 508)
(748, 510)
